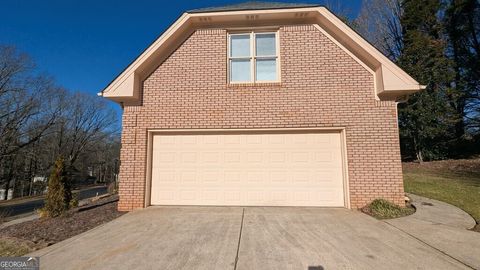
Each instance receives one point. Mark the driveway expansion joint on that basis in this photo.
(239, 238)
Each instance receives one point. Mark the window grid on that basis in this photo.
(253, 57)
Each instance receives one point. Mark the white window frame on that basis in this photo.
(253, 57)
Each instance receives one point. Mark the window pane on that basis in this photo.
(240, 70)
(265, 44)
(266, 69)
(240, 45)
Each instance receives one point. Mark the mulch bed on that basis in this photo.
(47, 231)
(458, 166)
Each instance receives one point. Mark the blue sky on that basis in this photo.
(84, 44)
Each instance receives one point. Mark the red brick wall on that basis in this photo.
(321, 86)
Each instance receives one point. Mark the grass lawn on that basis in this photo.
(453, 181)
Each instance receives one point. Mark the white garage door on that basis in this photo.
(299, 169)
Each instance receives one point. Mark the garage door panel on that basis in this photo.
(188, 139)
(232, 177)
(278, 176)
(210, 177)
(276, 157)
(232, 157)
(248, 169)
(211, 140)
(188, 177)
(325, 195)
(211, 195)
(324, 156)
(165, 175)
(233, 197)
(255, 140)
(188, 157)
(255, 177)
(164, 141)
(165, 157)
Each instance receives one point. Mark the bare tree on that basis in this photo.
(85, 120)
(23, 119)
(102, 159)
(40, 121)
(342, 11)
(379, 23)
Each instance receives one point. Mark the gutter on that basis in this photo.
(403, 99)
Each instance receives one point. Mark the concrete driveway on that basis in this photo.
(245, 238)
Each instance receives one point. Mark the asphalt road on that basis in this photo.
(31, 205)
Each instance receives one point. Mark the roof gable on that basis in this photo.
(391, 81)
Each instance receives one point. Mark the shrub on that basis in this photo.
(74, 201)
(383, 209)
(42, 212)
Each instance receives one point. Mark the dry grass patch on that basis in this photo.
(13, 247)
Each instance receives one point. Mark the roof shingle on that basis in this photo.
(252, 5)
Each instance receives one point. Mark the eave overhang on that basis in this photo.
(391, 81)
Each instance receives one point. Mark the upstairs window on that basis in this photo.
(253, 57)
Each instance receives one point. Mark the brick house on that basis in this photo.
(260, 104)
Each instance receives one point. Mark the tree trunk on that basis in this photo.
(420, 156)
(460, 128)
(7, 187)
(418, 151)
(8, 178)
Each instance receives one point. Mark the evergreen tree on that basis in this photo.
(67, 186)
(426, 118)
(59, 192)
(462, 25)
